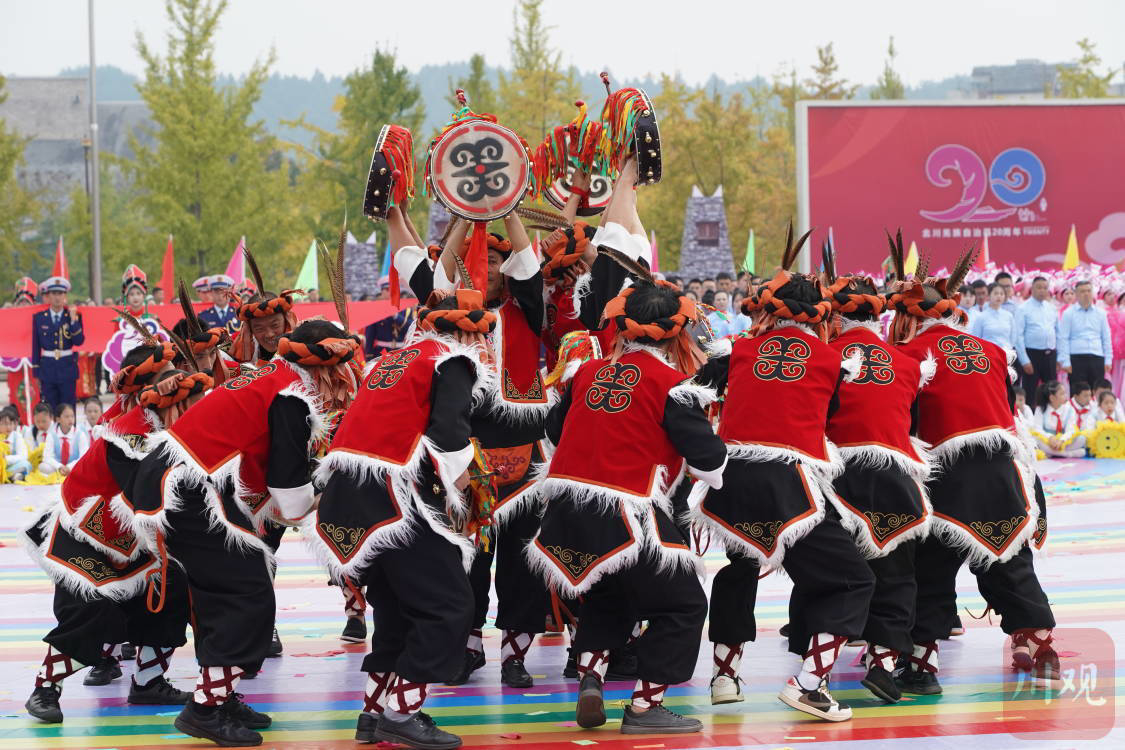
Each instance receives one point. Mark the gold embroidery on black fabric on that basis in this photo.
(343, 538)
(998, 533)
(94, 525)
(575, 562)
(255, 501)
(763, 532)
(885, 524)
(511, 393)
(95, 570)
(138, 443)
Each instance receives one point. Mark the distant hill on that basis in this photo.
(288, 97)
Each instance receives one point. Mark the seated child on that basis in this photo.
(65, 444)
(1108, 406)
(1056, 429)
(12, 446)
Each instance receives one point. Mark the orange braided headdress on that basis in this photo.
(131, 379)
(469, 316)
(243, 347)
(495, 242)
(209, 339)
(333, 362)
(323, 353)
(911, 307)
(186, 387)
(567, 250)
(774, 307)
(846, 299)
(685, 352)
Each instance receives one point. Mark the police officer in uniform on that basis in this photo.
(54, 333)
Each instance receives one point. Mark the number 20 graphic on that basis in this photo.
(1016, 178)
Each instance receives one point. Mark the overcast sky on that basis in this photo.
(734, 39)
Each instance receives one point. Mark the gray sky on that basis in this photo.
(734, 39)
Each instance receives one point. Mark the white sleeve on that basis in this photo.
(49, 463)
(713, 478)
(293, 502)
(407, 260)
(521, 265)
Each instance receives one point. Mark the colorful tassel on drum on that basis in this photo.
(398, 147)
(619, 118)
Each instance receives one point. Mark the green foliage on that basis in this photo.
(536, 93)
(824, 84)
(212, 173)
(19, 209)
(1082, 81)
(477, 86)
(889, 85)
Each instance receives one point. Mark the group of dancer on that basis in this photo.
(870, 470)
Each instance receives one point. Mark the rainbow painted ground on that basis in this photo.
(314, 691)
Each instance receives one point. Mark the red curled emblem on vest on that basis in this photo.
(612, 389)
(876, 366)
(390, 369)
(782, 359)
(963, 354)
(244, 380)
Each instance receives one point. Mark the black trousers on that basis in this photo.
(84, 625)
(1086, 368)
(56, 392)
(273, 535)
(1043, 371)
(422, 607)
(891, 616)
(674, 604)
(1011, 588)
(522, 600)
(832, 589)
(231, 589)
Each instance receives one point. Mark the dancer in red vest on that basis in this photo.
(393, 510)
(628, 428)
(508, 426)
(880, 494)
(205, 495)
(983, 496)
(102, 602)
(776, 505)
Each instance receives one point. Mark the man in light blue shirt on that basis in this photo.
(994, 323)
(1085, 350)
(1037, 329)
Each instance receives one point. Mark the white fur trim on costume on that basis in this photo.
(790, 536)
(514, 412)
(528, 494)
(581, 289)
(668, 558)
(690, 393)
(992, 440)
(307, 392)
(851, 366)
(520, 265)
(882, 457)
(485, 376)
(928, 366)
(829, 469)
(68, 578)
(847, 324)
(450, 465)
(407, 259)
(543, 565)
(719, 347)
(293, 502)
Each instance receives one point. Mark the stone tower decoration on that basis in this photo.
(439, 220)
(705, 250)
(361, 266)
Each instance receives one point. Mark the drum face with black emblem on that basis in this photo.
(646, 142)
(558, 193)
(377, 197)
(479, 170)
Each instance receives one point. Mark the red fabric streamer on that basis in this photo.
(476, 259)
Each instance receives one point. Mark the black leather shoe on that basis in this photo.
(474, 660)
(238, 709)
(515, 675)
(590, 711)
(622, 664)
(128, 652)
(784, 631)
(658, 720)
(570, 669)
(275, 645)
(104, 672)
(217, 726)
(882, 685)
(44, 704)
(365, 728)
(918, 682)
(159, 692)
(418, 731)
(355, 630)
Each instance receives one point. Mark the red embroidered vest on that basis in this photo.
(560, 321)
(233, 420)
(392, 409)
(614, 436)
(969, 390)
(875, 406)
(778, 389)
(517, 357)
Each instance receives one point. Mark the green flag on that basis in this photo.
(308, 278)
(748, 261)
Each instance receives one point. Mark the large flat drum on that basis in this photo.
(479, 170)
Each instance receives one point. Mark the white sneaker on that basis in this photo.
(819, 702)
(726, 690)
